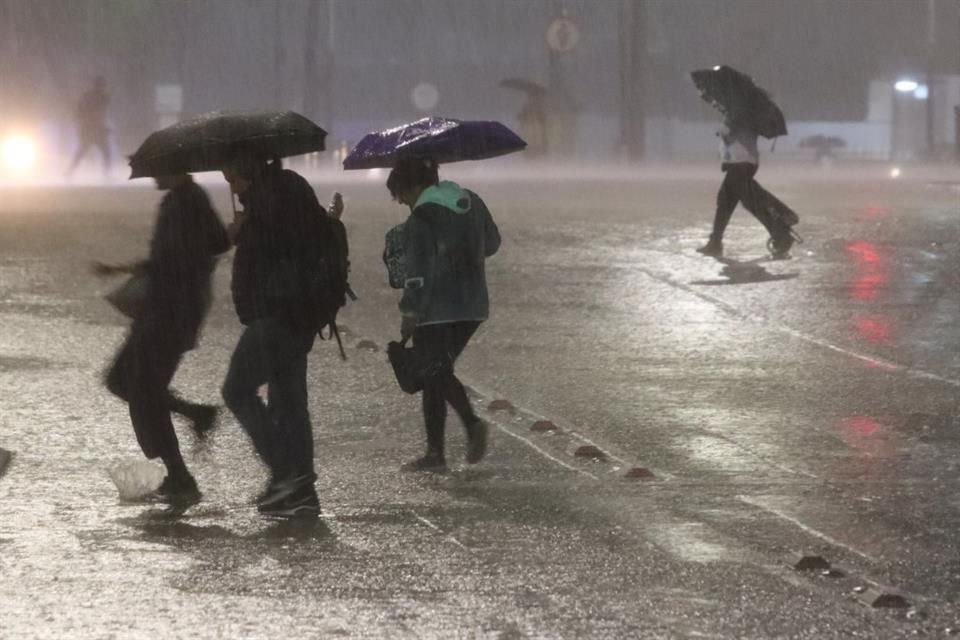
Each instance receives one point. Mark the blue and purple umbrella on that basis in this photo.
(441, 139)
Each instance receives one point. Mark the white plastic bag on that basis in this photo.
(134, 480)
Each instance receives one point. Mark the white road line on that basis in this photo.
(440, 531)
(814, 532)
(544, 453)
(533, 446)
(730, 309)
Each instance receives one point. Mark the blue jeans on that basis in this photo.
(273, 352)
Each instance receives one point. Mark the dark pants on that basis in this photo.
(140, 375)
(272, 352)
(739, 187)
(441, 345)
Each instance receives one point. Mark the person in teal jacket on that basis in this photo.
(446, 241)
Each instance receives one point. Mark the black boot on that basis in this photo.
(780, 247)
(713, 248)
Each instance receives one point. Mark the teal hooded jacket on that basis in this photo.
(447, 239)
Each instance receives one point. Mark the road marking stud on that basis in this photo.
(882, 598)
(502, 405)
(591, 452)
(541, 426)
(368, 345)
(809, 562)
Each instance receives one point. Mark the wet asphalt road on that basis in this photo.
(805, 405)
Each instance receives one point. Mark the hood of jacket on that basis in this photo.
(447, 194)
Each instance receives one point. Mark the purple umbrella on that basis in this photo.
(442, 139)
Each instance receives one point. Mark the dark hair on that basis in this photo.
(410, 173)
(251, 166)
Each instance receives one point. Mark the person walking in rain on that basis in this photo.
(446, 240)
(274, 236)
(740, 160)
(92, 129)
(187, 238)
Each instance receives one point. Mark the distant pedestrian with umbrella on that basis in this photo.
(532, 117)
(176, 294)
(748, 112)
(438, 257)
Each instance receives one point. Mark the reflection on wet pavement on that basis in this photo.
(811, 407)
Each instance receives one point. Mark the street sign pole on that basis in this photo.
(633, 49)
(562, 37)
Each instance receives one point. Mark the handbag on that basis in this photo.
(407, 366)
(413, 366)
(130, 296)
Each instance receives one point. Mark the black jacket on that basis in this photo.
(276, 240)
(187, 237)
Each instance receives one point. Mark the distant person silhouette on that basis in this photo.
(91, 120)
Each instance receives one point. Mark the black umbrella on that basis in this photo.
(736, 96)
(207, 142)
(522, 84)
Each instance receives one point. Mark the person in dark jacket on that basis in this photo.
(447, 238)
(739, 164)
(274, 240)
(187, 237)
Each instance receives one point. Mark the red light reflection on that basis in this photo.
(868, 436)
(864, 251)
(874, 329)
(861, 424)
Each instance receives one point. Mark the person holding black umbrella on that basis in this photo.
(446, 240)
(273, 236)
(283, 254)
(187, 238)
(740, 162)
(749, 112)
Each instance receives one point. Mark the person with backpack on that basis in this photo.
(446, 241)
(286, 287)
(739, 164)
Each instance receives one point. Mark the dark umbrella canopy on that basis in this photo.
(442, 139)
(736, 96)
(207, 142)
(522, 84)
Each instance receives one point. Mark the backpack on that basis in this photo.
(393, 255)
(331, 271)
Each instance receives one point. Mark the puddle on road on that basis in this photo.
(688, 542)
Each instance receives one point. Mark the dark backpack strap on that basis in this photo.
(335, 332)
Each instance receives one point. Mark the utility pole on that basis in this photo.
(633, 67)
(330, 76)
(931, 49)
(310, 84)
(278, 55)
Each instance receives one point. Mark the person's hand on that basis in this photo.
(233, 229)
(102, 269)
(336, 206)
(407, 326)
